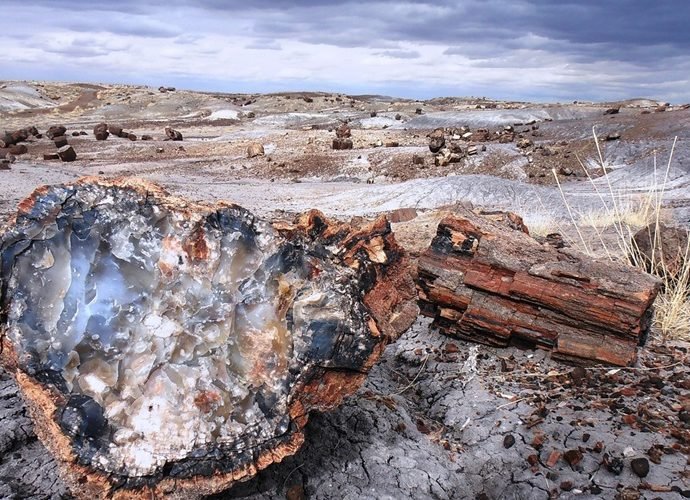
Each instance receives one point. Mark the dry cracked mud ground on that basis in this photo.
(437, 418)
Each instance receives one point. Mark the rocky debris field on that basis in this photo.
(437, 417)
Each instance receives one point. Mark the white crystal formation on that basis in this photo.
(172, 335)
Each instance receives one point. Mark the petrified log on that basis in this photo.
(342, 143)
(170, 349)
(67, 153)
(60, 141)
(488, 281)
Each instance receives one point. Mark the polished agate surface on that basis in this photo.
(169, 334)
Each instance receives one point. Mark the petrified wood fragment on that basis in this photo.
(485, 279)
(167, 348)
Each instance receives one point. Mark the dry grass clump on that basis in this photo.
(609, 232)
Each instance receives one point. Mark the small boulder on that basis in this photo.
(56, 131)
(101, 132)
(75, 134)
(373, 114)
(640, 466)
(398, 117)
(612, 111)
(60, 141)
(115, 130)
(146, 137)
(18, 149)
(437, 140)
(172, 134)
(342, 143)
(132, 137)
(613, 136)
(524, 143)
(67, 153)
(661, 249)
(51, 156)
(255, 149)
(343, 131)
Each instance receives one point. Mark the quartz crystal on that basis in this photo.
(178, 340)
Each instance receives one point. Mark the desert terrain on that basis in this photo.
(438, 417)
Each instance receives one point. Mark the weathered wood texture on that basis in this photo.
(485, 279)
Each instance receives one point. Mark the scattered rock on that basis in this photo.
(437, 140)
(51, 156)
(661, 249)
(573, 457)
(640, 466)
(55, 131)
(18, 149)
(255, 149)
(613, 136)
(343, 131)
(10, 138)
(146, 137)
(5, 164)
(67, 153)
(373, 114)
(60, 141)
(101, 132)
(612, 111)
(524, 143)
(342, 143)
(418, 111)
(398, 117)
(566, 485)
(118, 131)
(508, 441)
(392, 144)
(131, 137)
(75, 134)
(172, 134)
(402, 215)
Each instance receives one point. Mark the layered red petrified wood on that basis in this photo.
(488, 281)
(168, 348)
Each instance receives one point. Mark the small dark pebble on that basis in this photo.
(573, 457)
(567, 485)
(595, 489)
(585, 437)
(578, 373)
(640, 466)
(508, 441)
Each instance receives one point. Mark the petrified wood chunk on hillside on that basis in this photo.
(489, 281)
(167, 348)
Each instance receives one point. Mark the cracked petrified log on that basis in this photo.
(167, 348)
(485, 279)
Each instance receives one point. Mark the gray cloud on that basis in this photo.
(629, 46)
(400, 54)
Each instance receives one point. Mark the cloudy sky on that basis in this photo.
(513, 49)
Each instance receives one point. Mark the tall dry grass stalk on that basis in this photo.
(624, 215)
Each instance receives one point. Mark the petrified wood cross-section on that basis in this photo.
(488, 281)
(170, 348)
